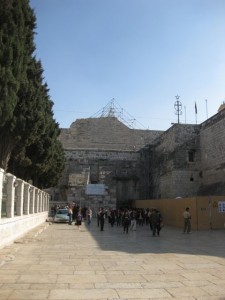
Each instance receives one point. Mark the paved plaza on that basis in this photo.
(60, 262)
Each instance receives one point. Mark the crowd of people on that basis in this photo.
(127, 218)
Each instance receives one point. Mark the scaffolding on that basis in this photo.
(113, 109)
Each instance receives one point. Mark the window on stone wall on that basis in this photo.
(191, 156)
(94, 174)
(191, 178)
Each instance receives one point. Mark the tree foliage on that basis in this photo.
(17, 24)
(29, 147)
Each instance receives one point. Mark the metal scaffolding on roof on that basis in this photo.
(113, 109)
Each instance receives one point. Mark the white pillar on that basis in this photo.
(10, 195)
(32, 199)
(48, 199)
(26, 208)
(20, 198)
(36, 202)
(45, 208)
(44, 201)
(1, 187)
(41, 201)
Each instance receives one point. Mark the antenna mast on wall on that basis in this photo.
(178, 108)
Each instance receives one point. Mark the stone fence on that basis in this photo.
(22, 207)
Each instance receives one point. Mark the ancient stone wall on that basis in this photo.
(117, 170)
(187, 160)
(172, 174)
(184, 161)
(105, 133)
(212, 145)
(102, 151)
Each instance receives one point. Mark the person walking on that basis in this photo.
(187, 220)
(89, 216)
(140, 217)
(118, 217)
(79, 219)
(102, 219)
(159, 222)
(75, 212)
(154, 221)
(126, 221)
(133, 221)
(70, 214)
(98, 217)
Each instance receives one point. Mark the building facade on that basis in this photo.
(103, 162)
(186, 160)
(109, 164)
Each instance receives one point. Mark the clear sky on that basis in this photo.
(142, 53)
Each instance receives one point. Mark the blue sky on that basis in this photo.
(142, 53)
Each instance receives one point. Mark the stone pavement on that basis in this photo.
(59, 262)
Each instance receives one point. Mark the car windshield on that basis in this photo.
(62, 212)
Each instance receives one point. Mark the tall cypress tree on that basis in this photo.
(28, 133)
(17, 24)
(39, 157)
(30, 114)
(47, 157)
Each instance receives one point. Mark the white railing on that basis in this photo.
(22, 207)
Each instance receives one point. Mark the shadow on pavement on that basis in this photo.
(171, 240)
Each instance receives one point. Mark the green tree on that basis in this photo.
(38, 148)
(29, 146)
(17, 24)
(30, 115)
(47, 169)
(43, 161)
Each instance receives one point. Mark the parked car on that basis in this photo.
(61, 215)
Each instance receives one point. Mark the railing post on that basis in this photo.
(41, 201)
(46, 202)
(1, 187)
(32, 199)
(10, 195)
(19, 194)
(36, 202)
(26, 207)
(48, 199)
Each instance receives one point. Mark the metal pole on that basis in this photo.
(178, 108)
(206, 106)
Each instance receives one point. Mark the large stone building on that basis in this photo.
(103, 159)
(110, 164)
(185, 161)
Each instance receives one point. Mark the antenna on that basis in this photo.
(178, 108)
(206, 107)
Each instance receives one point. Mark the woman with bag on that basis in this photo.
(78, 221)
